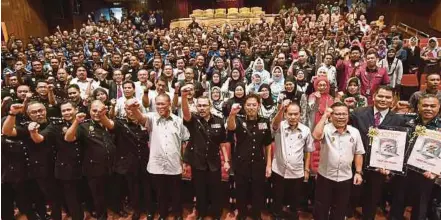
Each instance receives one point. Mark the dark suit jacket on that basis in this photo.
(111, 86)
(363, 119)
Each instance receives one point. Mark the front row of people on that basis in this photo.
(145, 152)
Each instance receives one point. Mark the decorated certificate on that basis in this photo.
(387, 149)
(426, 152)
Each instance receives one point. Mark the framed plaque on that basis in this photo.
(388, 149)
(426, 152)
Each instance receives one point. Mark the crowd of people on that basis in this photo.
(244, 118)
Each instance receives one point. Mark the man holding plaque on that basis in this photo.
(418, 183)
(363, 119)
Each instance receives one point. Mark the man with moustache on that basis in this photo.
(207, 134)
(40, 161)
(253, 135)
(433, 81)
(97, 140)
(364, 118)
(290, 166)
(68, 158)
(372, 76)
(167, 133)
(349, 68)
(14, 155)
(341, 145)
(131, 159)
(418, 184)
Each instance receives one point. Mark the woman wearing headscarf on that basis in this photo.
(256, 82)
(431, 55)
(229, 85)
(218, 65)
(302, 83)
(294, 95)
(318, 102)
(413, 57)
(217, 101)
(259, 68)
(352, 97)
(277, 84)
(215, 80)
(394, 67)
(238, 97)
(268, 108)
(382, 49)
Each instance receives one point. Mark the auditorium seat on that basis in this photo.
(233, 12)
(245, 12)
(409, 80)
(198, 13)
(244, 9)
(220, 13)
(423, 79)
(209, 13)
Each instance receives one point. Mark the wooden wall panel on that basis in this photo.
(24, 18)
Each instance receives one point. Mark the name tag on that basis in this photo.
(262, 126)
(216, 126)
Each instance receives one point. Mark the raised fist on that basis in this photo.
(80, 117)
(16, 108)
(33, 127)
(286, 103)
(235, 109)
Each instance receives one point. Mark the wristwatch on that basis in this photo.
(359, 172)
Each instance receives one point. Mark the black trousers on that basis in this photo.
(145, 194)
(418, 189)
(71, 194)
(372, 193)
(15, 192)
(250, 179)
(207, 185)
(331, 196)
(52, 193)
(289, 190)
(100, 188)
(168, 193)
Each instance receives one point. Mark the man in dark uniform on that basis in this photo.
(363, 119)
(45, 95)
(97, 139)
(14, 170)
(417, 185)
(37, 74)
(61, 83)
(253, 137)
(131, 157)
(207, 134)
(74, 96)
(68, 158)
(40, 163)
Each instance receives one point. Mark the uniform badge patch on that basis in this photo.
(262, 126)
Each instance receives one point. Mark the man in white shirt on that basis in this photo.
(167, 133)
(290, 166)
(142, 83)
(148, 100)
(128, 93)
(341, 144)
(83, 82)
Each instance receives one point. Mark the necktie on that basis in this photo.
(119, 92)
(377, 119)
